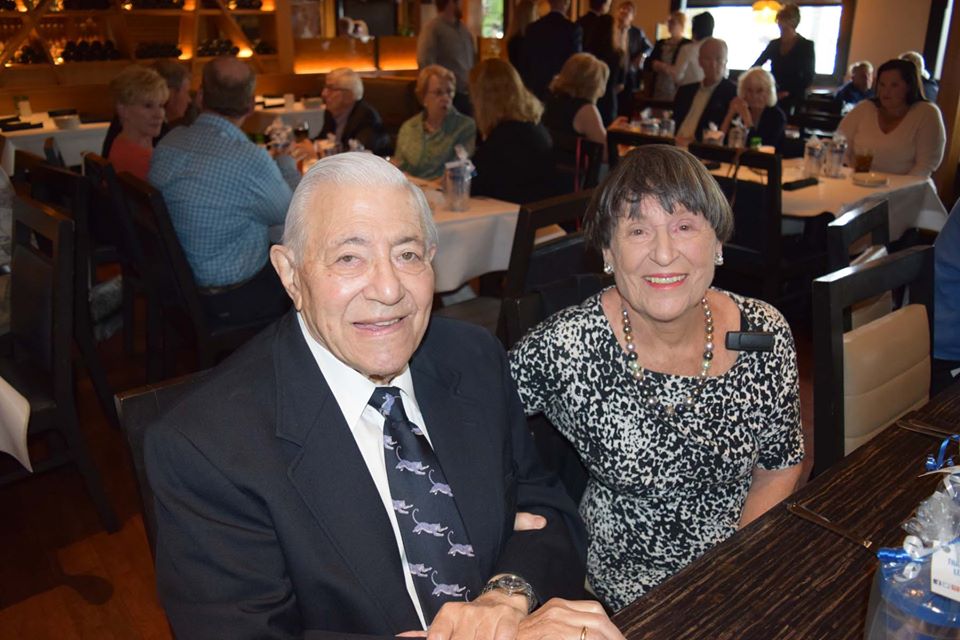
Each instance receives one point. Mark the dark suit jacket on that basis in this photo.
(547, 44)
(270, 526)
(716, 109)
(363, 124)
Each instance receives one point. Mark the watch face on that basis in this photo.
(513, 583)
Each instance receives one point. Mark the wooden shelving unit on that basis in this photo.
(47, 27)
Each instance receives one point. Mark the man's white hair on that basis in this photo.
(346, 78)
(355, 169)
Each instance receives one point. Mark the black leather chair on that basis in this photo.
(175, 310)
(866, 378)
(138, 409)
(37, 359)
(617, 137)
(51, 151)
(71, 192)
(23, 163)
(578, 160)
(759, 261)
(534, 264)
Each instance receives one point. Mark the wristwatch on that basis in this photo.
(512, 585)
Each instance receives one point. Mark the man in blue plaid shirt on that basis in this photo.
(224, 193)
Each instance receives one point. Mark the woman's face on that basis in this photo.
(892, 90)
(438, 98)
(755, 94)
(663, 263)
(143, 117)
(673, 26)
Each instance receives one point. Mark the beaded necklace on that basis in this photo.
(638, 371)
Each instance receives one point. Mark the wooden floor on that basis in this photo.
(62, 577)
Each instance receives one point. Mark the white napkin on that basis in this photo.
(14, 417)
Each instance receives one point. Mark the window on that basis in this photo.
(492, 26)
(746, 38)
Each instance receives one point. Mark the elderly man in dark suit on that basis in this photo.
(349, 116)
(351, 471)
(546, 46)
(700, 103)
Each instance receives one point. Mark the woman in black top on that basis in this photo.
(755, 104)
(792, 60)
(515, 160)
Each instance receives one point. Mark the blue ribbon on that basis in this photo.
(941, 461)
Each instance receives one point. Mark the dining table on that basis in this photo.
(73, 143)
(784, 576)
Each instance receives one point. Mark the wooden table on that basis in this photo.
(784, 577)
(73, 143)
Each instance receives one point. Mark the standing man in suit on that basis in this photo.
(548, 43)
(350, 471)
(350, 117)
(699, 103)
(589, 20)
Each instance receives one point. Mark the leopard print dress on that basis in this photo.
(662, 489)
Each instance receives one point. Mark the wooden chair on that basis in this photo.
(71, 191)
(534, 264)
(759, 261)
(51, 150)
(175, 308)
(846, 235)
(37, 358)
(23, 163)
(866, 378)
(616, 137)
(108, 199)
(138, 409)
(577, 159)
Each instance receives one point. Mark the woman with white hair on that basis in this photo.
(756, 104)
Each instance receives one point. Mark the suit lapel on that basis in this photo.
(465, 452)
(332, 478)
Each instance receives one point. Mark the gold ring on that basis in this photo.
(583, 633)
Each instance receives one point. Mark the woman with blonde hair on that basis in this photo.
(139, 96)
(523, 14)
(756, 105)
(427, 140)
(515, 160)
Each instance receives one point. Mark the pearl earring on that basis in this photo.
(718, 259)
(608, 269)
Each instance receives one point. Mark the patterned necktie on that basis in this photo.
(440, 556)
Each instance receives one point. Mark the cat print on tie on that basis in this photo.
(401, 507)
(433, 528)
(461, 549)
(387, 406)
(452, 590)
(439, 487)
(414, 466)
(420, 570)
(389, 442)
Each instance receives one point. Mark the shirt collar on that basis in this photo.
(350, 388)
(221, 124)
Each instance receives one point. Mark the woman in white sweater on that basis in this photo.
(903, 131)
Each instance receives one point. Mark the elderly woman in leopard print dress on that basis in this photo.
(684, 440)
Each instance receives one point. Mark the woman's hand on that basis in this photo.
(528, 521)
(739, 107)
(573, 619)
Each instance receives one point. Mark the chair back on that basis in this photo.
(70, 191)
(616, 137)
(112, 224)
(752, 257)
(577, 159)
(531, 263)
(866, 378)
(41, 291)
(23, 164)
(164, 267)
(138, 409)
(51, 151)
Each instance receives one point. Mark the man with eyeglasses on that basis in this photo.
(349, 116)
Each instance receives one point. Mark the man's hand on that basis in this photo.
(567, 619)
(492, 616)
(528, 521)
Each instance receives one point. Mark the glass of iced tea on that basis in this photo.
(862, 159)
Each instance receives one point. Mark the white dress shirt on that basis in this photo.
(352, 391)
(687, 65)
(688, 128)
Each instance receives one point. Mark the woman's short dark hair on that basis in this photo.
(669, 174)
(909, 73)
(702, 25)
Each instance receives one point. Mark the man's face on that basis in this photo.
(861, 78)
(178, 101)
(713, 62)
(625, 14)
(364, 285)
(337, 98)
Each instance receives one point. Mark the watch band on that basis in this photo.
(512, 584)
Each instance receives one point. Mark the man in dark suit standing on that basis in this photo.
(548, 43)
(350, 471)
(349, 116)
(700, 103)
(589, 20)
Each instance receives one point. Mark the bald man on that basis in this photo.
(699, 103)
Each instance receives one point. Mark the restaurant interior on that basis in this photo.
(107, 323)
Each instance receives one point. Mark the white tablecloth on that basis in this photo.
(73, 143)
(262, 118)
(913, 200)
